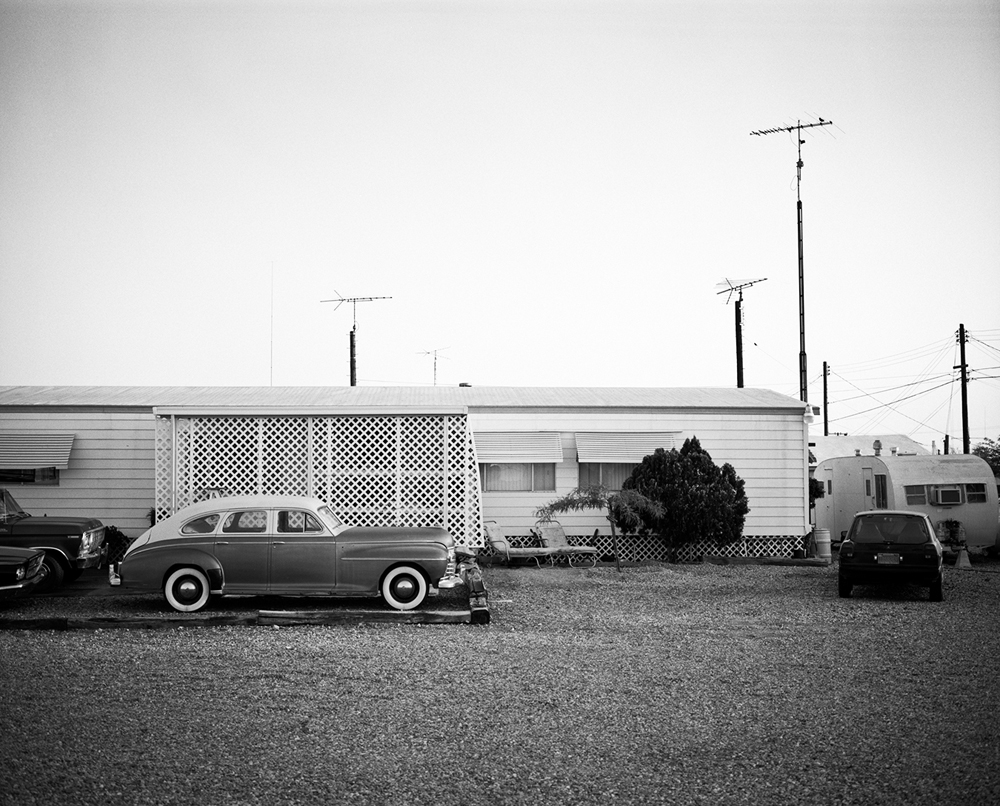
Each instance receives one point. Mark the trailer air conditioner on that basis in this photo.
(948, 496)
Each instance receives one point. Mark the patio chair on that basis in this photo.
(501, 545)
(553, 537)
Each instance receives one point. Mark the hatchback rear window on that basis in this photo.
(889, 528)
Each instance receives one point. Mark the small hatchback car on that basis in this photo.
(888, 546)
(283, 546)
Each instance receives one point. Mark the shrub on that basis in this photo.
(699, 500)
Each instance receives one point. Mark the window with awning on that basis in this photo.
(518, 461)
(35, 451)
(607, 458)
(523, 447)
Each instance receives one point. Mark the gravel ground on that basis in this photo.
(696, 684)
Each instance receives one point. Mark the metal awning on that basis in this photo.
(33, 451)
(622, 446)
(514, 446)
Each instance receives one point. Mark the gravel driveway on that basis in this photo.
(693, 684)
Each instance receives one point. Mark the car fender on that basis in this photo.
(60, 553)
(149, 568)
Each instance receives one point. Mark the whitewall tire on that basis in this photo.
(404, 587)
(187, 590)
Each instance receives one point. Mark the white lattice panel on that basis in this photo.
(415, 470)
(633, 548)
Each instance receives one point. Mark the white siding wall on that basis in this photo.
(110, 474)
(768, 451)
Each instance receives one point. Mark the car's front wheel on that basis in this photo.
(187, 589)
(404, 587)
(56, 572)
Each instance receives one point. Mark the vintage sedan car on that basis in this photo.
(70, 544)
(21, 571)
(888, 546)
(285, 546)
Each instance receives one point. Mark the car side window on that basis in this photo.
(250, 520)
(296, 521)
(201, 526)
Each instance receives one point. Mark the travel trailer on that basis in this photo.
(957, 491)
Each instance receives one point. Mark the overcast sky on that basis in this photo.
(548, 191)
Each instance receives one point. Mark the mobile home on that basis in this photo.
(451, 456)
(951, 488)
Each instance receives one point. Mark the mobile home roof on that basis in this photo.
(376, 397)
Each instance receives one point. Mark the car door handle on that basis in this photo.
(222, 542)
(278, 543)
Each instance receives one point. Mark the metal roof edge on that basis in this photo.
(305, 411)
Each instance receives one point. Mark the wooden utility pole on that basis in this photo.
(963, 337)
(826, 407)
(797, 128)
(738, 290)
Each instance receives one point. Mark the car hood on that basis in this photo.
(12, 555)
(45, 525)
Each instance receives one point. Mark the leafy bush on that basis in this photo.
(697, 499)
(117, 542)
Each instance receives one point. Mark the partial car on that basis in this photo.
(21, 571)
(891, 547)
(70, 544)
(283, 546)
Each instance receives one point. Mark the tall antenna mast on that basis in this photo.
(738, 290)
(353, 342)
(797, 128)
(435, 354)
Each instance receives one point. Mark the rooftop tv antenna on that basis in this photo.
(354, 305)
(738, 290)
(797, 128)
(435, 354)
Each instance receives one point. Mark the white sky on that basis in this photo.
(548, 191)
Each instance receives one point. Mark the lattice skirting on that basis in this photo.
(373, 470)
(641, 549)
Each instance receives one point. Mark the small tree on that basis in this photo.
(699, 500)
(626, 508)
(989, 450)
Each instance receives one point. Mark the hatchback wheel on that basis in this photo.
(404, 588)
(187, 590)
(844, 588)
(937, 589)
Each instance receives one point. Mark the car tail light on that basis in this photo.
(847, 549)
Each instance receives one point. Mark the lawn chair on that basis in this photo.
(501, 545)
(553, 537)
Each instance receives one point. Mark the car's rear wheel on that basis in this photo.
(187, 590)
(844, 588)
(937, 589)
(404, 587)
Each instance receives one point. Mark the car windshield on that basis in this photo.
(10, 510)
(333, 523)
(889, 529)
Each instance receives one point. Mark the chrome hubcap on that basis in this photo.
(405, 588)
(188, 590)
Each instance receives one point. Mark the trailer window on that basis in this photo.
(916, 494)
(975, 493)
